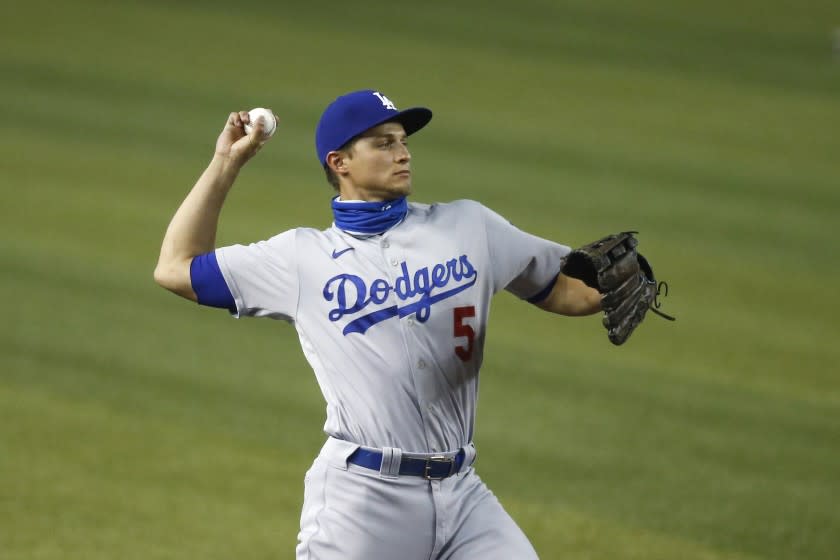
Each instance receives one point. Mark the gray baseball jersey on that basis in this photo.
(393, 325)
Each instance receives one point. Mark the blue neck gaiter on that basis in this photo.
(369, 218)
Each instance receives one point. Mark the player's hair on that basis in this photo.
(332, 178)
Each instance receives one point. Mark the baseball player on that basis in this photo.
(391, 305)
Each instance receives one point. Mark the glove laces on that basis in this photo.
(661, 289)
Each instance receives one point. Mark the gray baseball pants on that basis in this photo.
(351, 512)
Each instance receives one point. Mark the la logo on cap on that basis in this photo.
(387, 103)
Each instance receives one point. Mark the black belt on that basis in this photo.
(436, 467)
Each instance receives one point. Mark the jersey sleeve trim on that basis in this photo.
(542, 294)
(209, 284)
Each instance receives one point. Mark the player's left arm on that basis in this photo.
(571, 297)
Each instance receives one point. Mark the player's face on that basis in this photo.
(378, 165)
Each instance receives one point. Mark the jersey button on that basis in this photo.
(421, 364)
(385, 244)
(410, 321)
(394, 261)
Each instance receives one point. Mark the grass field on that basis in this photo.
(135, 425)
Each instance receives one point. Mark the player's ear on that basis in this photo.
(337, 161)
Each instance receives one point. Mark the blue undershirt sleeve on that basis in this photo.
(208, 283)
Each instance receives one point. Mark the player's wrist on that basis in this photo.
(225, 164)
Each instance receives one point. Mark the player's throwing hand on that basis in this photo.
(237, 146)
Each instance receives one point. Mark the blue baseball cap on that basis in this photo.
(353, 113)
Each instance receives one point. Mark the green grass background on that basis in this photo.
(136, 425)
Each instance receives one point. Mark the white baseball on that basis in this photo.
(268, 118)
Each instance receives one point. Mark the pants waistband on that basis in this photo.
(392, 462)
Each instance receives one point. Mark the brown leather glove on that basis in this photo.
(623, 277)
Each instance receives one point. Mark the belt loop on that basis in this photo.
(469, 456)
(391, 459)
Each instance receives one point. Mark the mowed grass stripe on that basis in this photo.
(92, 480)
(573, 534)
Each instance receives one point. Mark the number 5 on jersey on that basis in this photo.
(460, 329)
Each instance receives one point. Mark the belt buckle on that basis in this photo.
(439, 459)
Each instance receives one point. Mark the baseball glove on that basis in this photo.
(623, 277)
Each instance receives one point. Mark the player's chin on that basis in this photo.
(401, 187)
